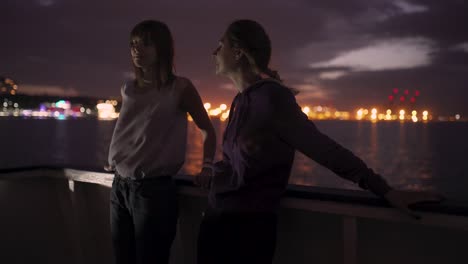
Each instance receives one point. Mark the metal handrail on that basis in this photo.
(353, 197)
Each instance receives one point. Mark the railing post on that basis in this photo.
(67, 206)
(349, 240)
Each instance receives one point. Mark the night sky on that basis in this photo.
(343, 53)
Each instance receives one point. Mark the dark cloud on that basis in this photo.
(444, 22)
(84, 44)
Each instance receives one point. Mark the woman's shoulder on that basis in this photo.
(127, 84)
(272, 89)
(183, 85)
(182, 82)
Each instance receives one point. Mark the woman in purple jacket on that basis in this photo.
(265, 127)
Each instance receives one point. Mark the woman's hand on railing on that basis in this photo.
(109, 168)
(203, 179)
(403, 199)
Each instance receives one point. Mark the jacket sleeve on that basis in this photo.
(293, 126)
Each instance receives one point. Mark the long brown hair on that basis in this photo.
(157, 33)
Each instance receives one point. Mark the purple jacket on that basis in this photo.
(265, 127)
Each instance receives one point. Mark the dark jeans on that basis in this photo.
(143, 218)
(237, 238)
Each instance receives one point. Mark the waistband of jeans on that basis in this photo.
(162, 179)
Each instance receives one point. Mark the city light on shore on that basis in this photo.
(108, 110)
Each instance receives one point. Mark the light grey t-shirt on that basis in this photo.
(150, 136)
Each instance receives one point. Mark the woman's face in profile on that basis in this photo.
(143, 53)
(224, 57)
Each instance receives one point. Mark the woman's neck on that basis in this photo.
(148, 75)
(244, 78)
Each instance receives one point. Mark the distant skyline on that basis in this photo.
(341, 53)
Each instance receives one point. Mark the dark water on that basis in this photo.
(432, 156)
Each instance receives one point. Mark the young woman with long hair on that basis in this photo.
(148, 148)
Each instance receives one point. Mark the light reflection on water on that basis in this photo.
(415, 156)
(410, 156)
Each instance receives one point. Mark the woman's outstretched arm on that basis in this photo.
(293, 126)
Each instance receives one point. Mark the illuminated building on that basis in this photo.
(8, 86)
